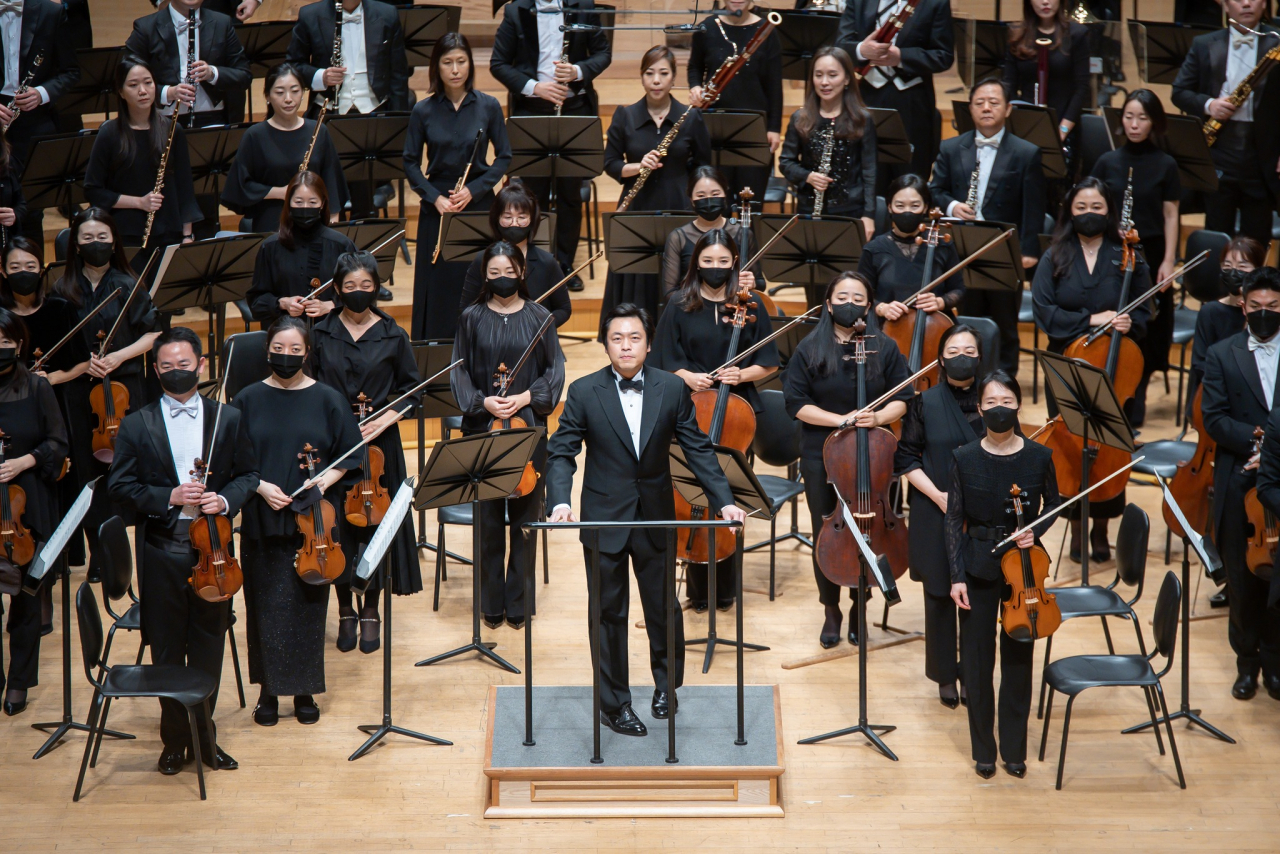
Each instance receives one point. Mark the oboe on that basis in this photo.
(190, 79)
(164, 164)
(26, 85)
(335, 61)
(564, 58)
(824, 167)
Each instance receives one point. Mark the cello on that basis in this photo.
(16, 540)
(502, 382)
(1030, 612)
(320, 560)
(1192, 484)
(367, 502)
(918, 332)
(1264, 530)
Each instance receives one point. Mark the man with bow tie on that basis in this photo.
(152, 477)
(628, 415)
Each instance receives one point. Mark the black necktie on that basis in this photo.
(631, 385)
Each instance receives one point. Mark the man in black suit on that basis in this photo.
(155, 449)
(1238, 393)
(526, 59)
(241, 10)
(902, 76)
(1245, 151)
(1010, 189)
(628, 415)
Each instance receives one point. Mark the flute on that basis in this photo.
(457, 188)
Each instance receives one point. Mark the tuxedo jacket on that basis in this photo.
(1015, 190)
(143, 475)
(387, 65)
(155, 40)
(514, 60)
(43, 34)
(927, 41)
(617, 485)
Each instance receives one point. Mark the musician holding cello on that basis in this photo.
(158, 450)
(494, 389)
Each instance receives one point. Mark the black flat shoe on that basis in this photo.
(305, 709)
(1219, 599)
(171, 762)
(347, 632)
(491, 621)
(952, 700)
(1272, 684)
(1016, 769)
(699, 607)
(725, 605)
(663, 705)
(624, 722)
(46, 629)
(267, 712)
(984, 770)
(370, 644)
(1245, 687)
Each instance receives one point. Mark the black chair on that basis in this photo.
(249, 362)
(116, 562)
(1184, 332)
(1072, 676)
(989, 335)
(777, 192)
(186, 685)
(1095, 140)
(777, 443)
(1025, 315)
(1205, 282)
(1097, 601)
(591, 219)
(882, 215)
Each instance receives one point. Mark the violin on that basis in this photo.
(1030, 612)
(216, 577)
(859, 462)
(918, 332)
(320, 560)
(19, 548)
(529, 477)
(109, 401)
(1192, 483)
(1264, 530)
(368, 500)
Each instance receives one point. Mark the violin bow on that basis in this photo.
(973, 256)
(1064, 505)
(217, 419)
(106, 342)
(399, 234)
(39, 363)
(1155, 289)
(848, 422)
(558, 285)
(786, 226)
(419, 387)
(756, 346)
(528, 351)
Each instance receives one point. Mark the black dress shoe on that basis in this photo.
(663, 705)
(1272, 684)
(699, 607)
(1219, 599)
(370, 642)
(347, 632)
(951, 700)
(385, 295)
(305, 709)
(624, 722)
(1017, 769)
(725, 604)
(1246, 686)
(492, 621)
(220, 759)
(171, 762)
(12, 708)
(575, 284)
(516, 623)
(985, 771)
(267, 712)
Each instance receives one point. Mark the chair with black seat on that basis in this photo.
(777, 443)
(248, 362)
(1072, 676)
(988, 338)
(1095, 140)
(1026, 315)
(776, 192)
(1096, 601)
(186, 685)
(882, 215)
(1204, 282)
(1184, 332)
(116, 563)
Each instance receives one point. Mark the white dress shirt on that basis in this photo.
(1242, 56)
(1265, 355)
(11, 41)
(186, 437)
(632, 408)
(986, 148)
(203, 102)
(550, 17)
(880, 75)
(355, 90)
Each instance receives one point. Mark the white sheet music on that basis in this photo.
(62, 534)
(387, 528)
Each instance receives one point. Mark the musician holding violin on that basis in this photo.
(498, 386)
(292, 518)
(33, 445)
(979, 516)
(822, 391)
(158, 476)
(365, 355)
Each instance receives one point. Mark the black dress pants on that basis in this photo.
(822, 500)
(568, 202)
(182, 629)
(1002, 307)
(940, 663)
(978, 629)
(24, 642)
(649, 564)
(502, 574)
(1254, 629)
(1242, 188)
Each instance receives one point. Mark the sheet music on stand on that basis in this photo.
(373, 553)
(370, 234)
(1184, 141)
(70, 524)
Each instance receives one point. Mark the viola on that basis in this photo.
(216, 576)
(109, 402)
(16, 540)
(1264, 530)
(320, 560)
(918, 332)
(1192, 483)
(1030, 612)
(367, 502)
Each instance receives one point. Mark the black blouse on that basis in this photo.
(1155, 181)
(915, 433)
(268, 158)
(282, 272)
(853, 167)
(32, 421)
(1062, 306)
(757, 86)
(380, 364)
(632, 135)
(542, 272)
(450, 137)
(142, 318)
(677, 255)
(46, 326)
(895, 267)
(108, 177)
(1068, 76)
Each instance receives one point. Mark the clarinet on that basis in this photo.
(824, 167)
(26, 85)
(190, 80)
(564, 57)
(972, 199)
(335, 61)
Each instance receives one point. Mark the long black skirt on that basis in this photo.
(437, 288)
(285, 617)
(406, 573)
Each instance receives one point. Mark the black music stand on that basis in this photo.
(1033, 123)
(466, 234)
(1087, 402)
(266, 45)
(634, 242)
(213, 151)
(893, 145)
(1184, 141)
(423, 26)
(370, 148)
(95, 92)
(471, 469)
(55, 170)
(998, 270)
(980, 48)
(802, 32)
(812, 252)
(437, 401)
(555, 147)
(738, 138)
(1161, 46)
(369, 234)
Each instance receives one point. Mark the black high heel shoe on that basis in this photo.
(985, 771)
(1016, 769)
(830, 635)
(951, 700)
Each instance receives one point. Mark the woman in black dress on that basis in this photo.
(446, 121)
(833, 115)
(757, 86)
(1076, 288)
(708, 195)
(820, 386)
(286, 615)
(496, 330)
(514, 218)
(272, 151)
(125, 161)
(979, 515)
(632, 145)
(937, 422)
(1067, 89)
(693, 339)
(13, 205)
(1223, 317)
(35, 445)
(299, 257)
(360, 350)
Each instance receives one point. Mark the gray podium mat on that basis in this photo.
(706, 727)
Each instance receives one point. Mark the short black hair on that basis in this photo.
(352, 262)
(988, 81)
(284, 323)
(1000, 377)
(1261, 279)
(176, 335)
(960, 329)
(629, 309)
(910, 181)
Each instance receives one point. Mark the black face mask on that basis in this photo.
(1263, 323)
(714, 277)
(179, 381)
(359, 301)
(907, 223)
(8, 358)
(846, 314)
(24, 284)
(96, 253)
(1000, 419)
(1089, 224)
(305, 219)
(961, 367)
(504, 286)
(285, 365)
(712, 207)
(514, 234)
(1232, 280)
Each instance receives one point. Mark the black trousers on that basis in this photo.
(26, 127)
(502, 573)
(978, 629)
(755, 177)
(1242, 189)
(181, 628)
(822, 500)
(24, 641)
(649, 564)
(568, 203)
(695, 579)
(1254, 629)
(1002, 307)
(940, 649)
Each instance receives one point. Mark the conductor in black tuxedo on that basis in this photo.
(526, 58)
(1238, 394)
(156, 449)
(628, 415)
(1009, 188)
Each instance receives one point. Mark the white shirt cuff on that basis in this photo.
(1206, 106)
(213, 69)
(225, 506)
(44, 94)
(527, 91)
(858, 51)
(164, 95)
(951, 208)
(578, 71)
(317, 81)
(558, 506)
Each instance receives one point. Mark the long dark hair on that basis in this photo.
(503, 249)
(158, 133)
(68, 286)
(1064, 247)
(446, 43)
(852, 120)
(827, 352)
(315, 183)
(909, 181)
(12, 327)
(960, 329)
(1152, 106)
(514, 195)
(22, 244)
(283, 69)
(1023, 34)
(688, 296)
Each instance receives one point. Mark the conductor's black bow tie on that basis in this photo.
(631, 385)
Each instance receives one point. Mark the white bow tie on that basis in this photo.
(14, 6)
(986, 142)
(180, 27)
(176, 409)
(1242, 41)
(1267, 347)
(351, 17)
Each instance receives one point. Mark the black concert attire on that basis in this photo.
(1014, 193)
(627, 476)
(927, 44)
(1266, 616)
(1234, 402)
(32, 422)
(11, 197)
(526, 47)
(485, 339)
(937, 422)
(1245, 150)
(281, 271)
(1068, 85)
(41, 29)
(155, 453)
(285, 615)
(803, 385)
(757, 87)
(853, 168)
(1215, 321)
(979, 515)
(677, 255)
(541, 273)
(894, 266)
(268, 158)
(632, 135)
(450, 138)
